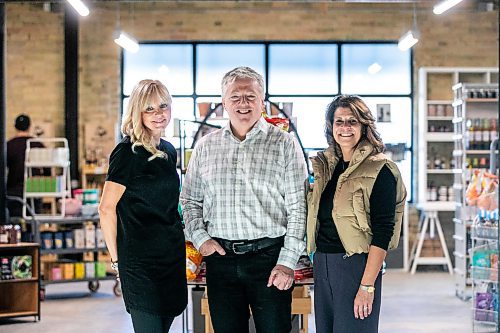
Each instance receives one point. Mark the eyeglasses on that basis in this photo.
(164, 107)
(352, 122)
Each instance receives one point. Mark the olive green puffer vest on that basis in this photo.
(351, 203)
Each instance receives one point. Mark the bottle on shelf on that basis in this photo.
(438, 164)
(493, 129)
(483, 163)
(485, 142)
(469, 134)
(478, 134)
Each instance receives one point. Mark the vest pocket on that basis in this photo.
(359, 208)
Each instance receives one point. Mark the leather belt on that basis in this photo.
(250, 246)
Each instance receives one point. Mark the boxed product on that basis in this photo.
(58, 240)
(47, 240)
(90, 236)
(79, 236)
(5, 268)
(68, 239)
(90, 270)
(56, 273)
(79, 270)
(68, 270)
(21, 267)
(99, 237)
(100, 269)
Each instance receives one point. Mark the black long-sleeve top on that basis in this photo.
(382, 211)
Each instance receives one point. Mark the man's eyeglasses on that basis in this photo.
(164, 107)
(352, 122)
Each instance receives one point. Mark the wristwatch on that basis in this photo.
(368, 288)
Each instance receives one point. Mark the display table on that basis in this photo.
(301, 304)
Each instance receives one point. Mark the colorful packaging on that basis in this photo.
(22, 266)
(193, 260)
(68, 271)
(47, 240)
(100, 269)
(90, 270)
(56, 273)
(79, 270)
(68, 239)
(58, 240)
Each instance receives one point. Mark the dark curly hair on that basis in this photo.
(362, 113)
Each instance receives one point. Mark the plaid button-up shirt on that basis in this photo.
(244, 190)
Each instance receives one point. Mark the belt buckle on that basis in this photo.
(236, 244)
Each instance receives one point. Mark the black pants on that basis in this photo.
(235, 282)
(149, 323)
(336, 283)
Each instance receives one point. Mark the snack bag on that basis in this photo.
(474, 189)
(281, 123)
(193, 260)
(488, 198)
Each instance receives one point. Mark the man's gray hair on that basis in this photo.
(242, 73)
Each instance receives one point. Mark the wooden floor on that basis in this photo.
(423, 302)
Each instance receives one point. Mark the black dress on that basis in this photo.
(16, 151)
(150, 238)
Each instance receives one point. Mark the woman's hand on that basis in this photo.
(363, 304)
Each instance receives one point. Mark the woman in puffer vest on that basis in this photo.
(355, 211)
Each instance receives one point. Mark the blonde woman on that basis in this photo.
(139, 216)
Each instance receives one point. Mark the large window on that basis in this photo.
(307, 74)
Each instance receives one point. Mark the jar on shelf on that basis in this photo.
(442, 193)
(440, 110)
(431, 110)
(449, 110)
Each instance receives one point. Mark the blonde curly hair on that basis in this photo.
(142, 95)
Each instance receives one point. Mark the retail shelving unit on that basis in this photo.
(436, 167)
(85, 254)
(472, 102)
(21, 297)
(484, 272)
(55, 157)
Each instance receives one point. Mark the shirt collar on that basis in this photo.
(260, 126)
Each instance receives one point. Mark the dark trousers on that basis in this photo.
(144, 322)
(336, 283)
(235, 282)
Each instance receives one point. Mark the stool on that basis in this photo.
(429, 221)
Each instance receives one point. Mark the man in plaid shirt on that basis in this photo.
(244, 209)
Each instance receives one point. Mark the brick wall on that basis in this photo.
(35, 60)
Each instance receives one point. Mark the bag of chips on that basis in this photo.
(193, 260)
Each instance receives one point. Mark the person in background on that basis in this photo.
(139, 216)
(354, 217)
(16, 153)
(244, 208)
